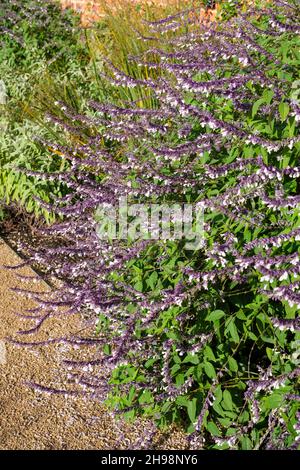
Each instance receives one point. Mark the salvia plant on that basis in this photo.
(206, 338)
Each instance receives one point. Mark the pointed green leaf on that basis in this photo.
(284, 110)
(215, 315)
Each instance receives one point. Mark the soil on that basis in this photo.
(33, 420)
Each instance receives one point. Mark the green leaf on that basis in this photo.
(146, 397)
(240, 315)
(252, 336)
(213, 429)
(139, 286)
(215, 315)
(175, 368)
(268, 95)
(256, 106)
(179, 379)
(225, 422)
(192, 358)
(274, 401)
(210, 370)
(227, 400)
(191, 409)
(246, 443)
(217, 407)
(208, 353)
(284, 110)
(131, 395)
(129, 414)
(233, 365)
(218, 394)
(231, 328)
(182, 401)
(152, 281)
(269, 352)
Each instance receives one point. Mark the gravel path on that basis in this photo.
(30, 420)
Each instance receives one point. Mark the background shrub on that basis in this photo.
(39, 41)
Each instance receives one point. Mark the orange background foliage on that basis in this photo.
(92, 10)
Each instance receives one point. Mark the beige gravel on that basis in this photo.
(33, 420)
